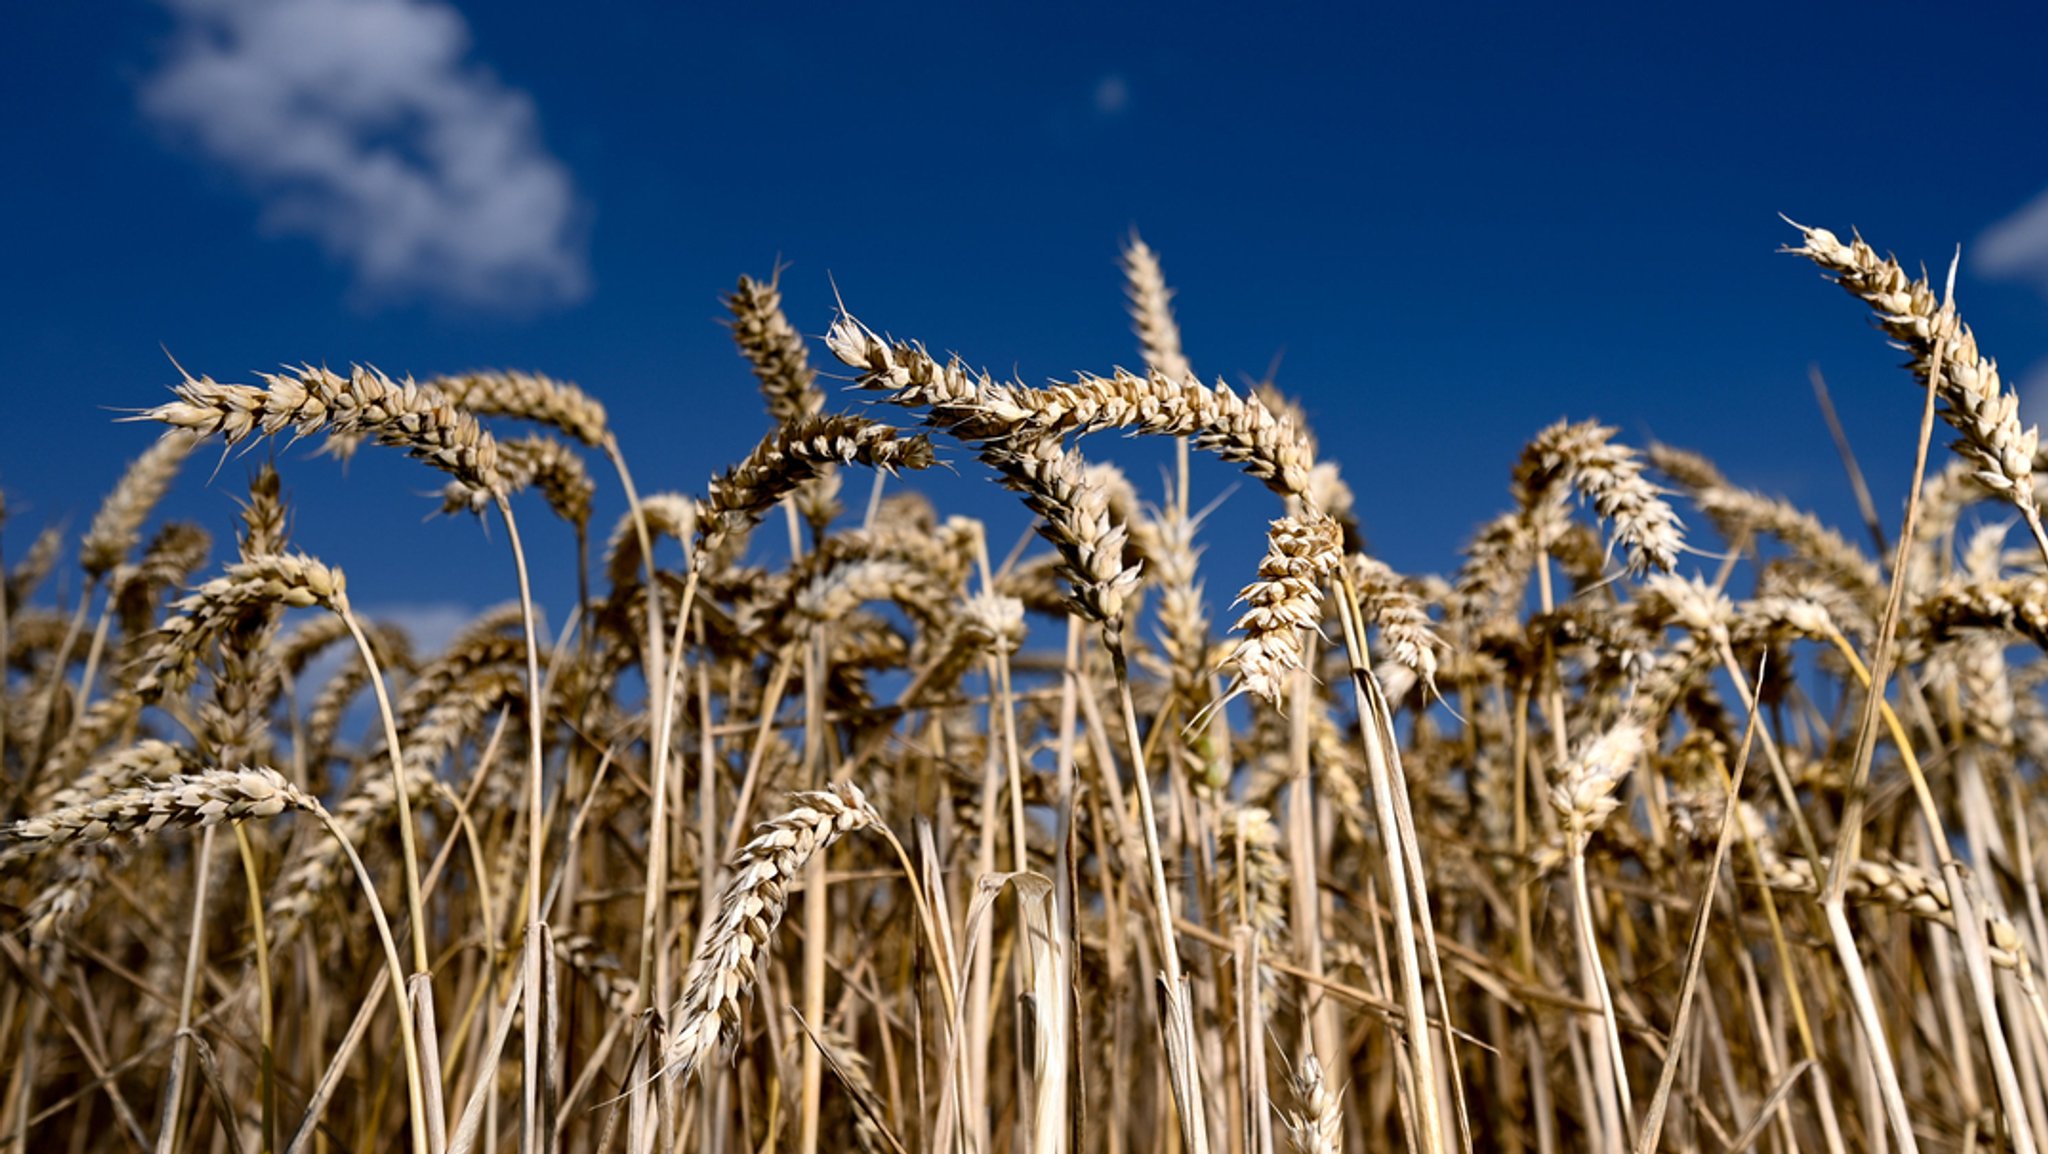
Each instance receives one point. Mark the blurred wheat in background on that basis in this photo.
(1669, 818)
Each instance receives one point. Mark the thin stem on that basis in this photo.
(266, 1010)
(538, 1012)
(415, 906)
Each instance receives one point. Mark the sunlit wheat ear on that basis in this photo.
(1316, 1124)
(1287, 598)
(668, 515)
(1585, 458)
(1977, 404)
(117, 526)
(307, 400)
(1077, 520)
(538, 462)
(1241, 430)
(2017, 605)
(533, 397)
(795, 453)
(1584, 793)
(969, 405)
(1151, 304)
(186, 799)
(1738, 513)
(1890, 883)
(774, 348)
(750, 906)
(290, 580)
(1407, 635)
(1253, 875)
(28, 573)
(147, 760)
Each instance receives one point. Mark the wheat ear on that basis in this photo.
(750, 906)
(1976, 402)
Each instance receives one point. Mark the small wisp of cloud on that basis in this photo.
(2016, 248)
(365, 125)
(1112, 94)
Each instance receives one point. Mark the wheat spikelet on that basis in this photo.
(749, 908)
(857, 1076)
(1214, 418)
(1183, 608)
(1252, 877)
(1976, 403)
(68, 890)
(147, 760)
(608, 980)
(187, 799)
(839, 590)
(2017, 605)
(971, 406)
(1739, 513)
(91, 730)
(1895, 885)
(176, 552)
(117, 526)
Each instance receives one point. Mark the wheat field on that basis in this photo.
(1669, 817)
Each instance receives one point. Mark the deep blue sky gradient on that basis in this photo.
(1453, 224)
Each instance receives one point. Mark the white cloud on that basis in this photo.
(1112, 95)
(362, 124)
(2016, 248)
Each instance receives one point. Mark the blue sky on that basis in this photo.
(1452, 224)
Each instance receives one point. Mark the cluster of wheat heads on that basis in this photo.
(852, 834)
